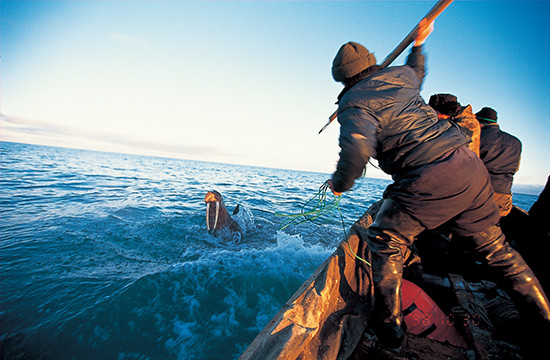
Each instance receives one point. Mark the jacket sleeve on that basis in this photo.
(357, 143)
(417, 61)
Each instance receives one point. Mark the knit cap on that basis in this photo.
(487, 114)
(445, 104)
(351, 59)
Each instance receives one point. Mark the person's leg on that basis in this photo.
(521, 283)
(389, 236)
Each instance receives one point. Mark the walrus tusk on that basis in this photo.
(217, 214)
(208, 216)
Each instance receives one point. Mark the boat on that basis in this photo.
(328, 316)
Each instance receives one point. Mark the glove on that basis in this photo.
(424, 30)
(330, 185)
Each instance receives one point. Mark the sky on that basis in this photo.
(249, 82)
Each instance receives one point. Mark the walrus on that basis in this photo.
(218, 220)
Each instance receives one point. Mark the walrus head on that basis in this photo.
(214, 201)
(217, 216)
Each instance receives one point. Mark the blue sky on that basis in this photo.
(250, 82)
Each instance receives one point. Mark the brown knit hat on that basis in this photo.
(487, 114)
(351, 59)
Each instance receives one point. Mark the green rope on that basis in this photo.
(349, 246)
(321, 206)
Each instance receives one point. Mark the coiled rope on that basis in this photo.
(315, 208)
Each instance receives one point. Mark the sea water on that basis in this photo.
(107, 256)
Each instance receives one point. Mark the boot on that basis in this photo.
(524, 287)
(388, 319)
(389, 236)
(517, 275)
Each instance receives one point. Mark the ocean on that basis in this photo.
(107, 256)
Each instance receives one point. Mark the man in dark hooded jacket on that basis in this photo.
(437, 180)
(501, 154)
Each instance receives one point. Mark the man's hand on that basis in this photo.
(424, 30)
(331, 186)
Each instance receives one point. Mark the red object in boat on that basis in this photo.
(424, 318)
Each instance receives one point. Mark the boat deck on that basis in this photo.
(472, 320)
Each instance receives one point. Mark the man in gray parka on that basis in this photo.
(437, 180)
